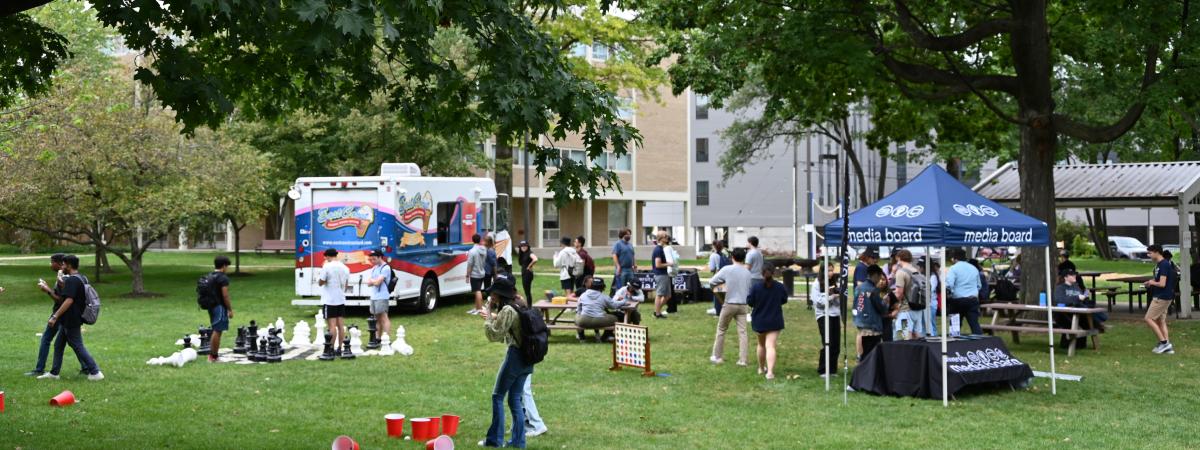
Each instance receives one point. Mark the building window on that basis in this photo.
(623, 163)
(701, 150)
(701, 193)
(625, 110)
(601, 161)
(701, 107)
(599, 51)
(550, 230)
(618, 218)
(579, 50)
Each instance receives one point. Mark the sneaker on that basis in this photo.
(97, 377)
(715, 360)
(33, 373)
(529, 433)
(473, 312)
(1160, 348)
(742, 364)
(711, 311)
(660, 316)
(1168, 349)
(47, 376)
(664, 314)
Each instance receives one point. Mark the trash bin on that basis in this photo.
(789, 280)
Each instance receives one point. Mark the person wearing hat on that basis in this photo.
(1069, 293)
(526, 259)
(381, 275)
(632, 295)
(501, 323)
(591, 314)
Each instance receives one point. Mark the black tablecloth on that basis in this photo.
(914, 368)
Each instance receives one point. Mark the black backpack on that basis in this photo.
(206, 292)
(918, 298)
(391, 280)
(535, 336)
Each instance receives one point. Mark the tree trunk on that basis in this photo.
(237, 246)
(135, 269)
(848, 147)
(954, 167)
(504, 184)
(100, 256)
(881, 189)
(1030, 46)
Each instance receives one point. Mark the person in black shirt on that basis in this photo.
(50, 333)
(526, 259)
(69, 319)
(1162, 293)
(219, 315)
(1064, 262)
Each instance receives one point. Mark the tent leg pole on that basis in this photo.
(825, 343)
(945, 364)
(1050, 322)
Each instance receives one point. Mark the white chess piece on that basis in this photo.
(401, 346)
(385, 347)
(187, 355)
(320, 339)
(320, 317)
(356, 341)
(300, 335)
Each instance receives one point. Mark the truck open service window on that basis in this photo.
(445, 214)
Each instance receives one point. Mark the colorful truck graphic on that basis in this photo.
(423, 225)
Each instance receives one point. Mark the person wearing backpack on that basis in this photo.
(69, 320)
(569, 265)
(50, 333)
(221, 311)
(962, 286)
(912, 292)
(503, 323)
(1162, 294)
(382, 281)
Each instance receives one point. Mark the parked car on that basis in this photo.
(1125, 247)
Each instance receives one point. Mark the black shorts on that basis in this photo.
(334, 311)
(477, 284)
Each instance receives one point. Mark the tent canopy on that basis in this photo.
(935, 209)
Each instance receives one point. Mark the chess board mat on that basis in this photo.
(309, 353)
(630, 345)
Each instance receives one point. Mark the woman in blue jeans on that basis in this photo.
(501, 324)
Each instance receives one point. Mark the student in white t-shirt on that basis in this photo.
(334, 279)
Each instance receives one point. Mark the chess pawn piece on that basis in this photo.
(327, 339)
(239, 344)
(355, 340)
(205, 336)
(187, 341)
(320, 317)
(321, 334)
(275, 343)
(300, 335)
(373, 330)
(401, 345)
(347, 353)
(385, 348)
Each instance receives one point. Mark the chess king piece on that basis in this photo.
(205, 336)
(373, 330)
(187, 341)
(300, 335)
(275, 346)
(321, 334)
(327, 339)
(355, 340)
(239, 344)
(401, 346)
(251, 340)
(385, 348)
(347, 353)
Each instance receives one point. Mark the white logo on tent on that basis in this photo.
(898, 211)
(989, 210)
(915, 211)
(975, 210)
(883, 211)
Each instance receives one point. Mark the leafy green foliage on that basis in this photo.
(29, 54)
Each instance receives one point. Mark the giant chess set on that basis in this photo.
(256, 344)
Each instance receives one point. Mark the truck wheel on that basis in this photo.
(429, 295)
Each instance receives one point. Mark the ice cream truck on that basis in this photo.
(423, 225)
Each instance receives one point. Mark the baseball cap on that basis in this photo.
(377, 252)
(503, 286)
(597, 284)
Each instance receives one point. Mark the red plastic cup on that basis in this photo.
(344, 443)
(442, 442)
(422, 429)
(65, 398)
(450, 424)
(1, 401)
(395, 425)
(435, 425)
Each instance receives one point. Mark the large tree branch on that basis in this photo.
(1097, 134)
(55, 233)
(923, 74)
(10, 7)
(971, 36)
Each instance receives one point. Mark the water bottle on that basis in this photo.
(1041, 299)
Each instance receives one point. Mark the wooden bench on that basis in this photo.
(1017, 325)
(1138, 293)
(275, 245)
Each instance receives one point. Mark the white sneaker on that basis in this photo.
(536, 432)
(47, 376)
(473, 312)
(1160, 348)
(712, 311)
(1168, 349)
(664, 314)
(714, 359)
(97, 377)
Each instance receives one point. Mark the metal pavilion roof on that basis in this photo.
(1103, 185)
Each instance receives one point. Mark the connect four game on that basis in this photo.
(631, 348)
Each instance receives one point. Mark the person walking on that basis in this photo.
(69, 317)
(754, 260)
(502, 324)
(737, 281)
(49, 334)
(334, 279)
(219, 315)
(662, 278)
(491, 263)
(589, 265)
(477, 271)
(767, 299)
(380, 278)
(624, 259)
(829, 304)
(526, 259)
(962, 286)
(717, 260)
(565, 260)
(1162, 294)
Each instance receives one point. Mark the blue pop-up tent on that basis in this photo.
(936, 210)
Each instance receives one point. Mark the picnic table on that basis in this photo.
(558, 322)
(1139, 279)
(1013, 323)
(1091, 274)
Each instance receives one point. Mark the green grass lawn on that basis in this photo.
(1128, 397)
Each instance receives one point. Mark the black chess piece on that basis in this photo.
(252, 340)
(346, 353)
(240, 342)
(187, 341)
(372, 328)
(205, 337)
(274, 346)
(328, 355)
